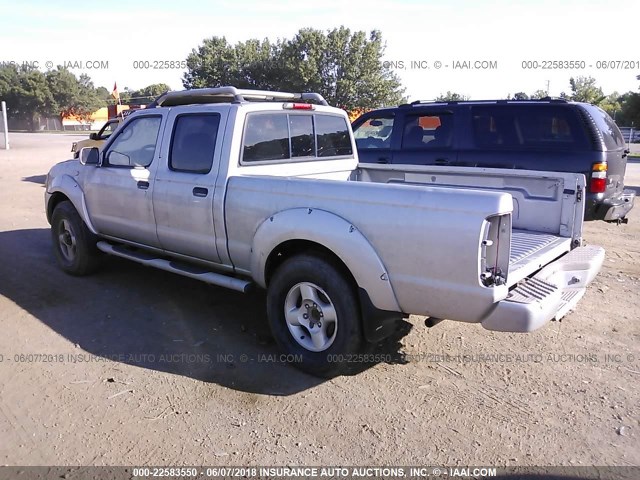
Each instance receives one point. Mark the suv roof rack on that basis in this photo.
(230, 95)
(553, 99)
(509, 100)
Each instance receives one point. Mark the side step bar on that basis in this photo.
(549, 294)
(190, 271)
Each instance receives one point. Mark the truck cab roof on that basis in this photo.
(231, 95)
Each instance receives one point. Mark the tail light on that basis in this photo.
(598, 178)
(298, 106)
(495, 247)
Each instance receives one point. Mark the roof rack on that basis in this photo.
(455, 102)
(230, 95)
(553, 99)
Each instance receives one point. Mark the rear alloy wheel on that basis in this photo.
(315, 316)
(311, 317)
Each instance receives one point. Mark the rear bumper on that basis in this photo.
(611, 209)
(619, 207)
(548, 295)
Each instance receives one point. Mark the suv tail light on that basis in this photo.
(598, 178)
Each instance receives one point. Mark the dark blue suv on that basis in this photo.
(547, 135)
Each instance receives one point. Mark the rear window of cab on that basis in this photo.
(279, 136)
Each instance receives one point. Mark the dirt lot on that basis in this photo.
(134, 366)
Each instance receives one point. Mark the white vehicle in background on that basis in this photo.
(242, 188)
(96, 139)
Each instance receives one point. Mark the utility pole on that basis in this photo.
(5, 125)
(548, 82)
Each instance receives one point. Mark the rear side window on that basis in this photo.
(280, 136)
(333, 136)
(194, 142)
(522, 127)
(374, 132)
(613, 139)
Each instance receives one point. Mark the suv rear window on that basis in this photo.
(280, 136)
(613, 139)
(534, 126)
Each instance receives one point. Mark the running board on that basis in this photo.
(191, 271)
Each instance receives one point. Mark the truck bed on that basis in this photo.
(546, 218)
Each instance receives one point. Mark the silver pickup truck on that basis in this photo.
(242, 188)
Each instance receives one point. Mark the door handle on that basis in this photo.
(383, 160)
(142, 185)
(200, 191)
(442, 161)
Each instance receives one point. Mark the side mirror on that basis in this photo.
(94, 136)
(90, 156)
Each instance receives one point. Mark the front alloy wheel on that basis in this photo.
(67, 241)
(73, 243)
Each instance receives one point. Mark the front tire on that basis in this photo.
(314, 316)
(73, 243)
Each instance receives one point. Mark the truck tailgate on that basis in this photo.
(530, 251)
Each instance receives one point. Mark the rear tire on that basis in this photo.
(73, 243)
(314, 316)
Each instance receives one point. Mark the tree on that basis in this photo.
(8, 79)
(611, 104)
(451, 97)
(538, 94)
(26, 92)
(213, 64)
(30, 93)
(584, 89)
(520, 96)
(629, 114)
(73, 96)
(125, 96)
(147, 94)
(104, 94)
(345, 67)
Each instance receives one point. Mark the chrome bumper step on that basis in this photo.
(549, 294)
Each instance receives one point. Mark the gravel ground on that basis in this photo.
(133, 366)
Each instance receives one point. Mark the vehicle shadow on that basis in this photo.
(41, 179)
(152, 319)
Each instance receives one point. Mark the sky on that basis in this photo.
(117, 37)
